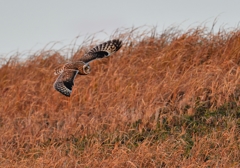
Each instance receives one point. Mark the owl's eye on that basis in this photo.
(86, 69)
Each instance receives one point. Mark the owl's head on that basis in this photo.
(86, 69)
(83, 68)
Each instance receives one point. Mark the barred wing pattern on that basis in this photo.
(102, 50)
(65, 81)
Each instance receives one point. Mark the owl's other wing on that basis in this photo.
(65, 81)
(102, 50)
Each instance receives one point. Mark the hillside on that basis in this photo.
(163, 100)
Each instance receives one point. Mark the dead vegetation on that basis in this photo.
(163, 100)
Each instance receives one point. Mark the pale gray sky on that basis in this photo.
(30, 25)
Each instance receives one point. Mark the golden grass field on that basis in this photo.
(163, 100)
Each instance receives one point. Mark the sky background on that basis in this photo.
(30, 25)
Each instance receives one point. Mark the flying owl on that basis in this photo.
(68, 72)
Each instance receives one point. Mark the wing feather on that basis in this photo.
(65, 82)
(102, 50)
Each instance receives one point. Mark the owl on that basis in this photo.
(68, 72)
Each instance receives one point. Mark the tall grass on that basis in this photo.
(163, 100)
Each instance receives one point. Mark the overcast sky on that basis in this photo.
(30, 25)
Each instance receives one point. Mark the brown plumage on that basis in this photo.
(102, 50)
(69, 71)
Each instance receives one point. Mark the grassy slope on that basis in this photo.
(161, 101)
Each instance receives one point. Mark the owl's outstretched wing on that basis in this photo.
(102, 50)
(65, 81)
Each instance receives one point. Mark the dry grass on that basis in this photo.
(163, 100)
